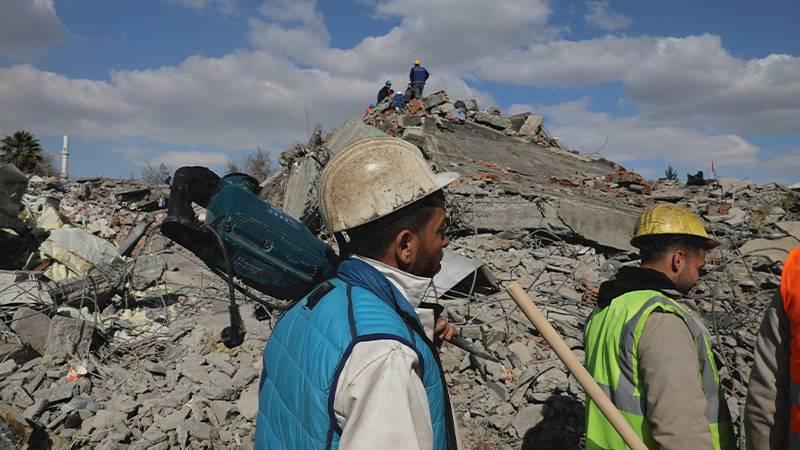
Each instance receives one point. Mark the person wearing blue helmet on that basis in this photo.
(386, 91)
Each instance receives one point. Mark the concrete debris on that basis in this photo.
(110, 334)
(78, 250)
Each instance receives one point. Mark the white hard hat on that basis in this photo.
(372, 178)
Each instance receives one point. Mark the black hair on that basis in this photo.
(373, 238)
(653, 248)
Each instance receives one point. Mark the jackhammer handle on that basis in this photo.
(575, 367)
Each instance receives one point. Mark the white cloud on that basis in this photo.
(190, 158)
(638, 141)
(224, 6)
(601, 16)
(694, 99)
(27, 28)
(689, 80)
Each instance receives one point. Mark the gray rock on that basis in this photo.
(194, 372)
(61, 393)
(498, 389)
(219, 379)
(68, 336)
(7, 368)
(216, 360)
(244, 376)
(248, 402)
(527, 417)
(32, 328)
(182, 434)
(218, 392)
(171, 421)
(198, 430)
(154, 435)
(155, 368)
(520, 354)
(221, 412)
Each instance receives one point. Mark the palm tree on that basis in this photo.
(23, 150)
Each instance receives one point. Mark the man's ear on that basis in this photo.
(405, 247)
(678, 260)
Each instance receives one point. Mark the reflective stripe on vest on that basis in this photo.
(624, 319)
(790, 294)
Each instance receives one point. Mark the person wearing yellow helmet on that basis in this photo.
(648, 351)
(418, 76)
(354, 364)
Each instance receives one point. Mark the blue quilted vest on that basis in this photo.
(306, 354)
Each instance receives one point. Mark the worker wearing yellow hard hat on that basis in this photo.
(648, 351)
(418, 76)
(354, 364)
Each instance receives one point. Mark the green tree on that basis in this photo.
(23, 150)
(671, 174)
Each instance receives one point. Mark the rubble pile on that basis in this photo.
(110, 333)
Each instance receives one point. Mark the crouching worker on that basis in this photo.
(351, 365)
(647, 351)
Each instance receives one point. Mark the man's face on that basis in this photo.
(426, 260)
(688, 271)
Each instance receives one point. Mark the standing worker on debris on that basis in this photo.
(772, 411)
(351, 365)
(386, 91)
(646, 350)
(418, 76)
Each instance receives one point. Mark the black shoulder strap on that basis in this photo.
(318, 293)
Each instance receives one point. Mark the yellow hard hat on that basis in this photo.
(416, 62)
(372, 178)
(669, 219)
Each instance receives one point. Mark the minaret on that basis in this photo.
(65, 158)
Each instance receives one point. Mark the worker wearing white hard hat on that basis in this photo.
(354, 364)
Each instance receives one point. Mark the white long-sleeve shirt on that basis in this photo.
(380, 401)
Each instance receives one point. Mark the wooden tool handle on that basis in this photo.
(575, 367)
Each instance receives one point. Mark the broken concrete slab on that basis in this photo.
(300, 187)
(776, 250)
(435, 99)
(492, 120)
(791, 227)
(31, 327)
(732, 185)
(69, 337)
(352, 130)
(611, 228)
(513, 213)
(456, 268)
(78, 250)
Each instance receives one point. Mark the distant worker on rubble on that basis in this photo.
(409, 93)
(418, 76)
(369, 110)
(398, 101)
(648, 352)
(772, 410)
(354, 364)
(386, 91)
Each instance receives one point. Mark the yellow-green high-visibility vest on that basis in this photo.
(612, 340)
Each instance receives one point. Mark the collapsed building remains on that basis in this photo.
(110, 333)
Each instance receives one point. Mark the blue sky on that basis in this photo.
(202, 81)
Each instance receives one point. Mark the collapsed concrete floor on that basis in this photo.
(110, 333)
